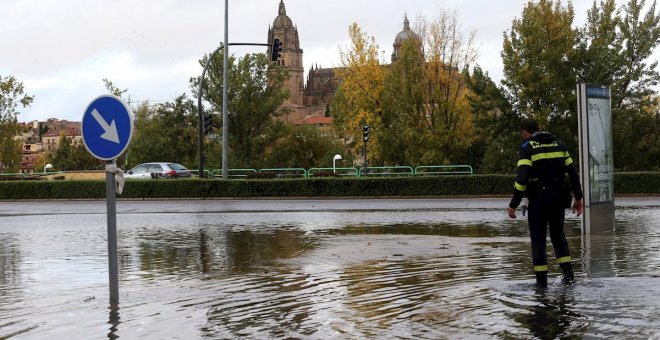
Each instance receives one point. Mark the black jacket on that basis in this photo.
(543, 163)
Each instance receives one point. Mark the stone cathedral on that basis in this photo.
(309, 101)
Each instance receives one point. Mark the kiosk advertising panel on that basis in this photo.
(596, 159)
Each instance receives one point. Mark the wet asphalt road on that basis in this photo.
(263, 205)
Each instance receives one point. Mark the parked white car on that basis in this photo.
(158, 170)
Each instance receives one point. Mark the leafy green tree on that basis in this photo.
(62, 156)
(72, 155)
(598, 50)
(406, 127)
(539, 66)
(544, 58)
(640, 35)
(10, 149)
(254, 95)
(497, 125)
(12, 95)
(616, 48)
(302, 146)
(81, 159)
(165, 132)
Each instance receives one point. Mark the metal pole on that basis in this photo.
(200, 123)
(225, 114)
(111, 206)
(366, 160)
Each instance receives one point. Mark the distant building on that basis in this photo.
(56, 128)
(41, 138)
(311, 99)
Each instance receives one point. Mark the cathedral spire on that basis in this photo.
(282, 10)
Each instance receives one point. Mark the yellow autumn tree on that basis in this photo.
(361, 79)
(449, 51)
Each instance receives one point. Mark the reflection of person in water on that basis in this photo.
(550, 317)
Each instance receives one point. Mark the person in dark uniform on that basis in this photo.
(545, 175)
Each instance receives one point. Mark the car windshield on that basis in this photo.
(139, 169)
(176, 166)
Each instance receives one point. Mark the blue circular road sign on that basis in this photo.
(107, 127)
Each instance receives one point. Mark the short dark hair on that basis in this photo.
(529, 125)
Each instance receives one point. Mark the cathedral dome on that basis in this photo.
(406, 34)
(282, 20)
(403, 36)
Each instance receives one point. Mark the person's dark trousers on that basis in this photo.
(547, 210)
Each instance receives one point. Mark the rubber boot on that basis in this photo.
(541, 279)
(568, 276)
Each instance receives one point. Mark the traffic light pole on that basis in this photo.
(366, 160)
(365, 137)
(225, 120)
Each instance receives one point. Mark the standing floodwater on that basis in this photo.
(209, 272)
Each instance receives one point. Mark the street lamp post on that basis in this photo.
(335, 159)
(225, 113)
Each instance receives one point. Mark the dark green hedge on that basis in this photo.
(631, 183)
(472, 185)
(29, 189)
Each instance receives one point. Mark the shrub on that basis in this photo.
(325, 174)
(260, 175)
(647, 183)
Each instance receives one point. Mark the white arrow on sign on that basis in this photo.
(110, 133)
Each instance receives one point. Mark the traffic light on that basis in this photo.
(275, 50)
(365, 132)
(208, 123)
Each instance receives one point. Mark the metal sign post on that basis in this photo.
(111, 207)
(596, 157)
(107, 128)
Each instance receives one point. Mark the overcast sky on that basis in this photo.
(61, 50)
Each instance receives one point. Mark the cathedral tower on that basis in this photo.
(291, 53)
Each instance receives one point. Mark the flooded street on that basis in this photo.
(345, 269)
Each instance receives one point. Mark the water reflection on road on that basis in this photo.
(428, 273)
